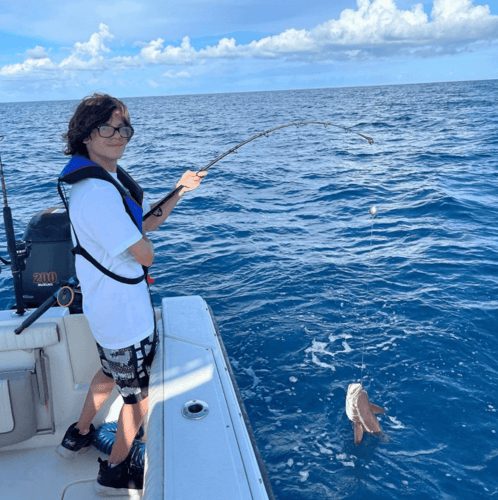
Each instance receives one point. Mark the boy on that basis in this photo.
(116, 299)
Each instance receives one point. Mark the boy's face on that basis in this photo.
(107, 151)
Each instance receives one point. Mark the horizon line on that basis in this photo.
(270, 90)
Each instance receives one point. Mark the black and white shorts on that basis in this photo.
(130, 367)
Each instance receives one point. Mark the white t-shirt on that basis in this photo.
(119, 314)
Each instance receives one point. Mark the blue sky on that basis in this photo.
(65, 50)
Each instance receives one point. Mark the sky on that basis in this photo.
(52, 50)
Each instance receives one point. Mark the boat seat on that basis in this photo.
(34, 337)
(23, 379)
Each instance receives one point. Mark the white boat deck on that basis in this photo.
(186, 459)
(32, 469)
(40, 473)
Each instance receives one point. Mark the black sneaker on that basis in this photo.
(137, 474)
(121, 480)
(74, 443)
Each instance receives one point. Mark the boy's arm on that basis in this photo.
(143, 251)
(189, 180)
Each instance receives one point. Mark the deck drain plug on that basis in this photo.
(195, 409)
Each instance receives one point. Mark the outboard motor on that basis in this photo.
(48, 261)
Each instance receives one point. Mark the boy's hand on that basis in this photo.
(190, 180)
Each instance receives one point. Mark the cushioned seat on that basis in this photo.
(22, 379)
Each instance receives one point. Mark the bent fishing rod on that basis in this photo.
(157, 212)
(65, 294)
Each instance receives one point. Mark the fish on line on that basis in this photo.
(361, 412)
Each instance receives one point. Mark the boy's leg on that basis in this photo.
(100, 389)
(78, 438)
(130, 420)
(132, 381)
(130, 368)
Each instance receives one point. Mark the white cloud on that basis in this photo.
(376, 23)
(377, 28)
(89, 55)
(95, 46)
(289, 42)
(153, 83)
(37, 53)
(154, 53)
(29, 66)
(176, 74)
(84, 56)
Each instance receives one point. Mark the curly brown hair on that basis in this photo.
(92, 111)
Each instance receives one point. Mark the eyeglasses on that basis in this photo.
(107, 131)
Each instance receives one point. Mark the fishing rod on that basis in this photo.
(15, 258)
(64, 297)
(157, 212)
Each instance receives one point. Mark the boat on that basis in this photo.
(199, 444)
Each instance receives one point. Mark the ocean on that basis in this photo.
(310, 291)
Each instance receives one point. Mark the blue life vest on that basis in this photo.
(80, 168)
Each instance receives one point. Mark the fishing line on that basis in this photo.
(157, 212)
(373, 213)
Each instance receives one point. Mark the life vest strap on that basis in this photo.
(79, 250)
(80, 168)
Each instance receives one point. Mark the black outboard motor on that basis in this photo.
(49, 262)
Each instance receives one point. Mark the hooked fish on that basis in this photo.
(361, 412)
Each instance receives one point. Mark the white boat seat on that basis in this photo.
(22, 379)
(34, 337)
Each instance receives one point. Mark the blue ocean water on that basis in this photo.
(311, 293)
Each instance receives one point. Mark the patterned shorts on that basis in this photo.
(130, 367)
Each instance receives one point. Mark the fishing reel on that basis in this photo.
(65, 296)
(23, 251)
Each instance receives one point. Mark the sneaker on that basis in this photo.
(75, 443)
(121, 480)
(137, 474)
